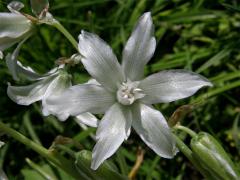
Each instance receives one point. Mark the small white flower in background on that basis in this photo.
(13, 26)
(124, 95)
(50, 84)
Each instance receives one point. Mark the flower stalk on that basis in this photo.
(65, 32)
(189, 154)
(186, 130)
(40, 170)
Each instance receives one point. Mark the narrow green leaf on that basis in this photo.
(40, 170)
(214, 60)
(105, 171)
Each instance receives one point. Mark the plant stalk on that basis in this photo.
(65, 32)
(186, 130)
(188, 153)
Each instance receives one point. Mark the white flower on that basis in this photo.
(124, 95)
(51, 84)
(13, 26)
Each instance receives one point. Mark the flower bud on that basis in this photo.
(40, 7)
(212, 157)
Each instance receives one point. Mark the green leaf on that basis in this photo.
(45, 171)
(105, 171)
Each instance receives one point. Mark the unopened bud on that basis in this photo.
(40, 8)
(213, 158)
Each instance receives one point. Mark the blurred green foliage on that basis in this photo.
(198, 35)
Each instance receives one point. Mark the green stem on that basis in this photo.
(29, 127)
(40, 170)
(185, 129)
(50, 155)
(188, 153)
(65, 32)
(183, 148)
(66, 149)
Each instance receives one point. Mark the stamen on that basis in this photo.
(129, 92)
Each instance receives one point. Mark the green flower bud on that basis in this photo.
(213, 158)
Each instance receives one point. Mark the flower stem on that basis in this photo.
(29, 127)
(50, 155)
(185, 129)
(65, 32)
(188, 153)
(183, 148)
(40, 170)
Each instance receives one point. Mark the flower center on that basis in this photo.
(128, 92)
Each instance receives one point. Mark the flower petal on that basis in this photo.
(13, 25)
(16, 68)
(154, 131)
(55, 89)
(15, 6)
(79, 99)
(139, 48)
(13, 28)
(88, 119)
(6, 42)
(26, 95)
(112, 130)
(93, 81)
(100, 61)
(171, 85)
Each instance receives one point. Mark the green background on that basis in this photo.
(198, 35)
